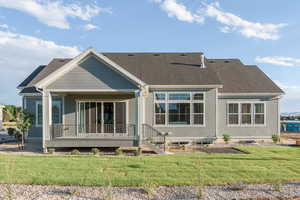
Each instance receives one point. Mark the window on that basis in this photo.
(198, 113)
(259, 113)
(233, 114)
(160, 113)
(179, 108)
(246, 114)
(179, 113)
(39, 114)
(56, 112)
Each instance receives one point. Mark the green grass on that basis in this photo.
(263, 164)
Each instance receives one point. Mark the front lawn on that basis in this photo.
(263, 164)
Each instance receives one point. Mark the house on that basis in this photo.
(123, 99)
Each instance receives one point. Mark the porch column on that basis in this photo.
(47, 116)
(139, 115)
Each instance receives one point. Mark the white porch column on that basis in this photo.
(47, 118)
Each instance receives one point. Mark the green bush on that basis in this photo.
(275, 138)
(95, 151)
(51, 151)
(226, 138)
(118, 152)
(11, 131)
(75, 152)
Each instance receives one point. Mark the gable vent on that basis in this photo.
(182, 54)
(130, 54)
(156, 54)
(226, 61)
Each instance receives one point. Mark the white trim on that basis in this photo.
(191, 101)
(163, 87)
(29, 94)
(50, 108)
(252, 114)
(63, 109)
(250, 94)
(71, 64)
(217, 112)
(92, 90)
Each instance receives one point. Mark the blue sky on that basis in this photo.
(264, 33)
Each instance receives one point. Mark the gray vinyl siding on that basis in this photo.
(92, 74)
(209, 130)
(30, 106)
(266, 131)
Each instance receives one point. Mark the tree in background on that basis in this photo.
(24, 123)
(11, 113)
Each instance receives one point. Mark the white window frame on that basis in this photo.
(238, 114)
(167, 101)
(252, 114)
(37, 103)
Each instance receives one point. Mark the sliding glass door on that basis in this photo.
(101, 117)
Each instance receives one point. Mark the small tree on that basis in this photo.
(24, 123)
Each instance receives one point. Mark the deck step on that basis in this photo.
(153, 148)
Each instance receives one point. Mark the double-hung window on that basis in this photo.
(179, 108)
(233, 114)
(246, 113)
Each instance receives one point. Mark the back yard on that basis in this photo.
(261, 165)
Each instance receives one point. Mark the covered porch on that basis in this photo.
(91, 119)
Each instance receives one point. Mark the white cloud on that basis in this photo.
(231, 22)
(179, 11)
(89, 27)
(279, 60)
(20, 55)
(54, 12)
(291, 100)
(246, 28)
(4, 26)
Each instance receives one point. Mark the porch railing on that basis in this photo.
(77, 131)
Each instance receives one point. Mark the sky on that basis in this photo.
(263, 33)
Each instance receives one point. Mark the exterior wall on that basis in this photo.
(92, 74)
(272, 120)
(185, 132)
(30, 105)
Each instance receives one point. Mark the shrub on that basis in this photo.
(95, 151)
(75, 152)
(275, 138)
(11, 131)
(51, 151)
(137, 152)
(118, 152)
(226, 138)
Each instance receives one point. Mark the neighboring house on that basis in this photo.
(122, 99)
(1, 116)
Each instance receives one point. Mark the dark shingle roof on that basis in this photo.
(183, 69)
(29, 90)
(32, 75)
(166, 68)
(239, 78)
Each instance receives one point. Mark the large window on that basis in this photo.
(56, 112)
(246, 114)
(39, 113)
(179, 108)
